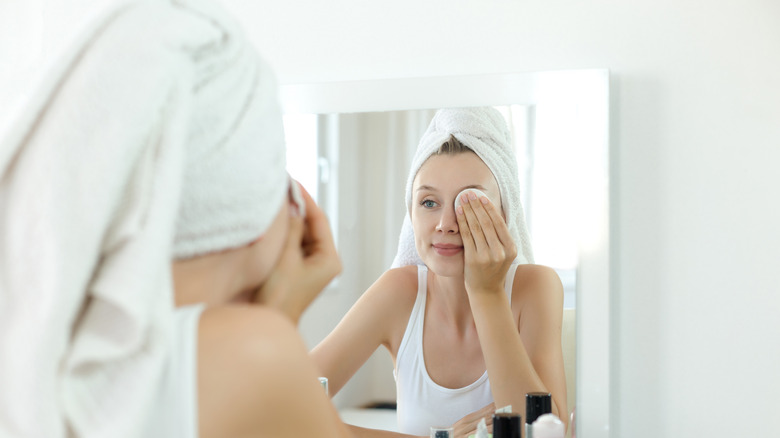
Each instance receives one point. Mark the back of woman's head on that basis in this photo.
(235, 178)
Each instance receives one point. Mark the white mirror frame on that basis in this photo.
(589, 90)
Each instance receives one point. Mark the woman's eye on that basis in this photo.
(428, 203)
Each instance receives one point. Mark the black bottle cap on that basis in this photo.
(536, 405)
(507, 425)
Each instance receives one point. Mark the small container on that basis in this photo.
(549, 426)
(442, 432)
(507, 425)
(536, 405)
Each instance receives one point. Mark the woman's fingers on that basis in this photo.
(465, 231)
(309, 262)
(295, 236)
(466, 214)
(488, 246)
(502, 231)
(486, 222)
(468, 424)
(484, 225)
(318, 246)
(318, 236)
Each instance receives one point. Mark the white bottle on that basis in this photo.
(548, 426)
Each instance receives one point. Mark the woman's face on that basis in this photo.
(435, 187)
(265, 251)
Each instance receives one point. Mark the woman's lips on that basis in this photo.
(446, 249)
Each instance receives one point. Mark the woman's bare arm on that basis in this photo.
(526, 357)
(374, 320)
(541, 293)
(515, 368)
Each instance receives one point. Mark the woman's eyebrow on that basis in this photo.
(433, 189)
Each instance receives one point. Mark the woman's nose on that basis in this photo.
(448, 223)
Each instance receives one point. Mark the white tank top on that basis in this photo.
(423, 403)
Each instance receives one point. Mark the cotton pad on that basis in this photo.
(297, 198)
(477, 192)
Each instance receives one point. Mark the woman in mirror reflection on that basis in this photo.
(152, 264)
(470, 322)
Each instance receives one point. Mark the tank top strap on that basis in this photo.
(510, 280)
(415, 323)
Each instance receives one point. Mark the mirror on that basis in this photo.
(583, 94)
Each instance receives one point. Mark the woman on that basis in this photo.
(470, 323)
(149, 170)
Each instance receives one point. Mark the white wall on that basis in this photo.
(696, 152)
(20, 46)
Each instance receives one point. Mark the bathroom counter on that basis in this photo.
(384, 419)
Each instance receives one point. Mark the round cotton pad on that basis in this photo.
(297, 198)
(477, 192)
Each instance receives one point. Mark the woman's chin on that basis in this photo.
(445, 266)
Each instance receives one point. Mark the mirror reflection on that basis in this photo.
(356, 166)
(548, 159)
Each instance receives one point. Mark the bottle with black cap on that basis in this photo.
(536, 405)
(507, 425)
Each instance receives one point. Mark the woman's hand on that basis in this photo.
(309, 262)
(487, 245)
(468, 425)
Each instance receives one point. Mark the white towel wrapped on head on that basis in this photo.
(235, 178)
(485, 132)
(156, 96)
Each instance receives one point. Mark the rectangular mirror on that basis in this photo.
(361, 137)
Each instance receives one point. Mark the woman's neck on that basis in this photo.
(449, 296)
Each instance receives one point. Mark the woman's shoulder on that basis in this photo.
(398, 282)
(393, 289)
(392, 298)
(534, 281)
(535, 272)
(406, 273)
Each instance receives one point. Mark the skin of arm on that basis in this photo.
(521, 354)
(379, 317)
